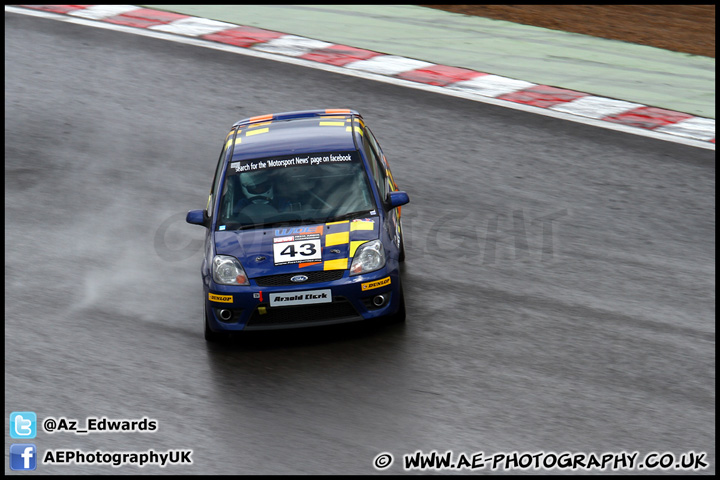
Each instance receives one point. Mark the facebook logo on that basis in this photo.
(23, 424)
(23, 456)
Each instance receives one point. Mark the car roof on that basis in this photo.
(289, 133)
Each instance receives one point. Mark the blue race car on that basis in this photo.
(303, 226)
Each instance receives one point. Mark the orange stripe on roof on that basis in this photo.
(260, 118)
(337, 110)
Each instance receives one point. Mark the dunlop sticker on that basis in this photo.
(220, 298)
(375, 284)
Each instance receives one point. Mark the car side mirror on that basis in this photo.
(196, 217)
(398, 199)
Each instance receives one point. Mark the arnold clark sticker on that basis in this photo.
(306, 297)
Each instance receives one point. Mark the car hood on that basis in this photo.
(287, 249)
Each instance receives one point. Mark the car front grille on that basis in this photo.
(304, 314)
(313, 277)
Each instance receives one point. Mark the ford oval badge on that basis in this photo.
(299, 278)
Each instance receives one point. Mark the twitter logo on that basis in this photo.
(23, 424)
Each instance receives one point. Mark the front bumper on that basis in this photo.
(234, 308)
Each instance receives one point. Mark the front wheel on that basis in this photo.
(211, 336)
(399, 316)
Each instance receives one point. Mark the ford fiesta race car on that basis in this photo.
(303, 226)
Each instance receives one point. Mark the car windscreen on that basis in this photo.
(303, 188)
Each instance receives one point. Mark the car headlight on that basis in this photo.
(369, 257)
(228, 271)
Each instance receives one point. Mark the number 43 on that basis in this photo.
(305, 249)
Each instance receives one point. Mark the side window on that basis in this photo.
(382, 178)
(218, 171)
(377, 173)
(373, 141)
(391, 186)
(378, 165)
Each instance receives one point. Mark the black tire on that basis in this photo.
(399, 316)
(210, 336)
(401, 255)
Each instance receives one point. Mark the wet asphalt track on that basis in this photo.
(560, 278)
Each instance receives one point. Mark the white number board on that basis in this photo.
(298, 251)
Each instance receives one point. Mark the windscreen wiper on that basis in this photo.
(348, 216)
(293, 221)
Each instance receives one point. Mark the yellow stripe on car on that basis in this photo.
(362, 225)
(339, 238)
(255, 132)
(339, 264)
(354, 246)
